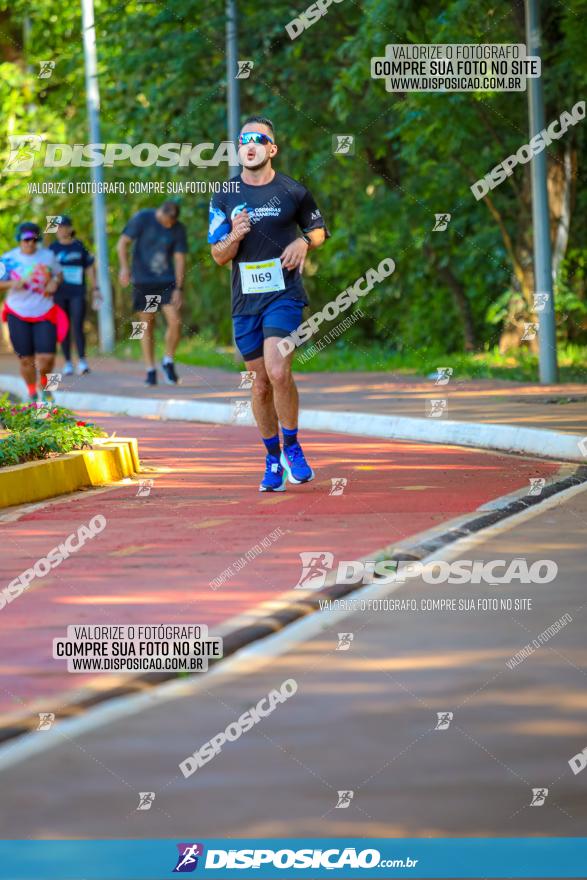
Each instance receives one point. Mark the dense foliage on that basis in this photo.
(163, 79)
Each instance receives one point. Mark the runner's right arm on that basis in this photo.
(131, 231)
(226, 249)
(122, 251)
(9, 283)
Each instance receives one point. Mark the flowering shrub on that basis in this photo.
(39, 430)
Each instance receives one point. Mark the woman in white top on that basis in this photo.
(31, 275)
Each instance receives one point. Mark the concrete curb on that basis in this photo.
(506, 438)
(109, 461)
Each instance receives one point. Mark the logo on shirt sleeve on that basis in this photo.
(218, 224)
(237, 209)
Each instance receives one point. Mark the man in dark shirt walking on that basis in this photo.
(158, 272)
(257, 225)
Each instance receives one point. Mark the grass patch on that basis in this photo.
(342, 357)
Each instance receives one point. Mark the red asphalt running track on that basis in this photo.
(155, 559)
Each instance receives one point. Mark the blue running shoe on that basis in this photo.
(294, 462)
(275, 476)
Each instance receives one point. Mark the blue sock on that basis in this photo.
(290, 436)
(272, 445)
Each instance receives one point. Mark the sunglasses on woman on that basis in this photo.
(254, 137)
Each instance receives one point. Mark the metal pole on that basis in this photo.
(540, 213)
(232, 99)
(232, 83)
(105, 316)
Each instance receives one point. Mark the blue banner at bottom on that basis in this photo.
(286, 858)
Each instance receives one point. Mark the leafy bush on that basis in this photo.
(38, 430)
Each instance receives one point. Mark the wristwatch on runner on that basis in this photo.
(307, 239)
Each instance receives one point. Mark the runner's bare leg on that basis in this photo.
(148, 339)
(262, 399)
(173, 332)
(285, 392)
(28, 371)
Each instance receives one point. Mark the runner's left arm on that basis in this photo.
(179, 267)
(314, 230)
(56, 276)
(316, 236)
(90, 271)
(311, 221)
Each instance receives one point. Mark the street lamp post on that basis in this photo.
(232, 83)
(105, 315)
(540, 214)
(232, 97)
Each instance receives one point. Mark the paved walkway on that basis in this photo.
(362, 720)
(561, 407)
(155, 560)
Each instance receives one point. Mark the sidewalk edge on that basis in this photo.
(539, 442)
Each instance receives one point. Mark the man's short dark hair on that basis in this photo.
(171, 209)
(260, 120)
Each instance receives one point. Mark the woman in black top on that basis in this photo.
(76, 262)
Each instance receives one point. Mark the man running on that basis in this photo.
(256, 227)
(158, 272)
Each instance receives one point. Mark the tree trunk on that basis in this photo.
(459, 296)
(560, 179)
(462, 304)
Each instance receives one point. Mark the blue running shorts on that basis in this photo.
(280, 318)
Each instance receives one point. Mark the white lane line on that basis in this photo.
(252, 657)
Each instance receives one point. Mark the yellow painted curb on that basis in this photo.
(109, 461)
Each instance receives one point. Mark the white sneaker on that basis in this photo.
(68, 368)
(82, 367)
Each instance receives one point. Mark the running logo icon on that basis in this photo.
(46, 69)
(338, 485)
(444, 719)
(540, 300)
(344, 799)
(187, 860)
(441, 222)
(443, 375)
(344, 641)
(241, 410)
(138, 329)
(539, 795)
(436, 408)
(244, 69)
(315, 566)
(343, 144)
(146, 799)
(46, 720)
(52, 223)
(152, 302)
(53, 380)
(247, 379)
(22, 152)
(537, 484)
(144, 489)
(530, 331)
